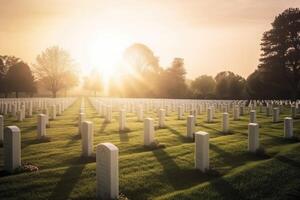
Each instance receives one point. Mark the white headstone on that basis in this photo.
(275, 114)
(12, 148)
(288, 127)
(41, 125)
(190, 125)
(122, 120)
(161, 118)
(253, 137)
(252, 116)
(87, 138)
(209, 114)
(148, 131)
(202, 151)
(107, 171)
(225, 122)
(1, 127)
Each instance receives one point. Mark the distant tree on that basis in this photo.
(93, 82)
(20, 79)
(140, 59)
(203, 87)
(70, 81)
(230, 85)
(280, 60)
(173, 81)
(52, 67)
(5, 63)
(141, 72)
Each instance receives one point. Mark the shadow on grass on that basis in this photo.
(67, 182)
(74, 138)
(178, 134)
(288, 161)
(103, 126)
(123, 134)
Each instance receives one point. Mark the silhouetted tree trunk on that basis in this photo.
(17, 94)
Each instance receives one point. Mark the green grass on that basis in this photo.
(163, 173)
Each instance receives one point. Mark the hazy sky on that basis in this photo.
(211, 35)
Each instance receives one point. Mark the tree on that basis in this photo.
(52, 67)
(5, 63)
(173, 80)
(280, 58)
(20, 79)
(141, 72)
(93, 82)
(230, 85)
(203, 87)
(70, 81)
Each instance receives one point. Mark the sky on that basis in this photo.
(211, 35)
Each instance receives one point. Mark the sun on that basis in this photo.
(105, 54)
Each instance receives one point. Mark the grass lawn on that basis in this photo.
(163, 173)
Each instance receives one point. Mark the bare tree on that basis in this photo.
(52, 68)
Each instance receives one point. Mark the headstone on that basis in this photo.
(140, 113)
(293, 112)
(148, 131)
(19, 116)
(107, 171)
(180, 112)
(225, 123)
(41, 125)
(202, 151)
(122, 120)
(53, 112)
(275, 115)
(12, 148)
(161, 118)
(288, 127)
(209, 114)
(87, 138)
(190, 125)
(252, 116)
(1, 127)
(236, 112)
(253, 137)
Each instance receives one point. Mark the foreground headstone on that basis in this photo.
(225, 122)
(190, 125)
(19, 116)
(107, 171)
(87, 138)
(252, 116)
(202, 151)
(1, 127)
(148, 131)
(41, 125)
(253, 137)
(288, 127)
(12, 148)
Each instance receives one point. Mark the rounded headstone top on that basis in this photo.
(12, 129)
(107, 146)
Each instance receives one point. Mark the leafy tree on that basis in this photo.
(280, 60)
(20, 79)
(141, 72)
(230, 85)
(70, 81)
(173, 82)
(52, 67)
(5, 63)
(203, 87)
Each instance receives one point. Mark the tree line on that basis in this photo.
(276, 77)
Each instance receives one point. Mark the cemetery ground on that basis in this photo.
(164, 172)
